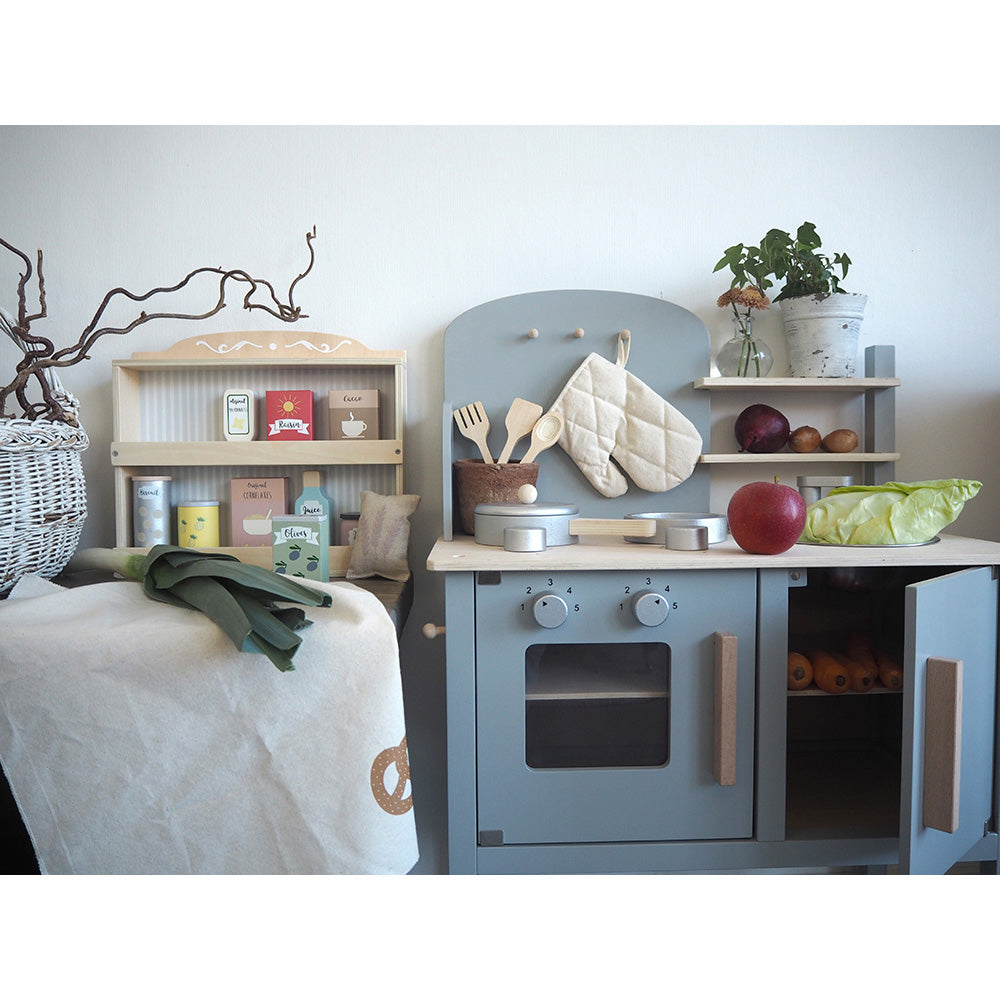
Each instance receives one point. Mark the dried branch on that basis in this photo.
(40, 354)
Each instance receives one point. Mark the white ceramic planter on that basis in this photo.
(822, 334)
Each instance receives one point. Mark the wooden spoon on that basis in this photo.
(521, 419)
(544, 434)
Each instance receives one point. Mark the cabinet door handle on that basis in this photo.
(942, 743)
(724, 765)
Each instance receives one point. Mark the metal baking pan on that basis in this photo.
(716, 527)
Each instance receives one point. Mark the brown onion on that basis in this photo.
(804, 439)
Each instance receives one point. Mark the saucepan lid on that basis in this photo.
(534, 510)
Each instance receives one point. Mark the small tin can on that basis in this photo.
(198, 524)
(349, 527)
(150, 510)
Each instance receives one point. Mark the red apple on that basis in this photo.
(766, 518)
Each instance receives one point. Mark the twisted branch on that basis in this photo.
(41, 355)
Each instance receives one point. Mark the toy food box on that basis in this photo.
(289, 415)
(300, 545)
(354, 414)
(252, 503)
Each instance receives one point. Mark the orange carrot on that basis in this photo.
(862, 676)
(828, 674)
(800, 672)
(890, 673)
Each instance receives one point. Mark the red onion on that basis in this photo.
(761, 428)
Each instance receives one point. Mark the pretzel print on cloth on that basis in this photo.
(395, 802)
(609, 413)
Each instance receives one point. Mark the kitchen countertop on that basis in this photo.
(463, 554)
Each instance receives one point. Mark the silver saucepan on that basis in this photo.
(534, 527)
(678, 530)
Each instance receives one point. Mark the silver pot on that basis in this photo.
(522, 527)
(683, 530)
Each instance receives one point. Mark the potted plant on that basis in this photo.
(822, 321)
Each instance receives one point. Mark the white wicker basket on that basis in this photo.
(43, 494)
(43, 497)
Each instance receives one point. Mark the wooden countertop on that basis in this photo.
(464, 555)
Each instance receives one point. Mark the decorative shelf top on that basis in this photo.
(834, 384)
(267, 346)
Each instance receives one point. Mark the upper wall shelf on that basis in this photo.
(769, 384)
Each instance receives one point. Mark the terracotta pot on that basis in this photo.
(476, 483)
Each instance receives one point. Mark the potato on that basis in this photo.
(839, 441)
(804, 439)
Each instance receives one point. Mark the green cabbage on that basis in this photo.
(891, 514)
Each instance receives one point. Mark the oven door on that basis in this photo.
(615, 705)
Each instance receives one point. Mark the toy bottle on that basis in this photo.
(312, 500)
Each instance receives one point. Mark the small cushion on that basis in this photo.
(383, 539)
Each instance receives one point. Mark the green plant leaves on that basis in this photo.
(796, 261)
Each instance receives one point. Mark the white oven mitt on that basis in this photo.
(611, 414)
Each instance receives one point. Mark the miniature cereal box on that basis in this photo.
(289, 415)
(252, 503)
(300, 545)
(354, 414)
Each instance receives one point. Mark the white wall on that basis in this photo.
(417, 224)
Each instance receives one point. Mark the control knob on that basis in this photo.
(550, 610)
(650, 608)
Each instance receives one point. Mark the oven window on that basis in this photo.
(597, 705)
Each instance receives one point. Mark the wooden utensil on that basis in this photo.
(544, 434)
(521, 418)
(475, 425)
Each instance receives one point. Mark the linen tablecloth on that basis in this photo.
(137, 739)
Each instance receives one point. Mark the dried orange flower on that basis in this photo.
(751, 297)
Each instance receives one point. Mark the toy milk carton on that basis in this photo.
(289, 415)
(354, 414)
(300, 545)
(252, 503)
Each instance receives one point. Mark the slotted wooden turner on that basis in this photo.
(475, 425)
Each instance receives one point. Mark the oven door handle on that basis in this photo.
(724, 765)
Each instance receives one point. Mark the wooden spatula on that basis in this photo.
(475, 425)
(521, 418)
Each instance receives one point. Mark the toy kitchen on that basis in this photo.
(618, 693)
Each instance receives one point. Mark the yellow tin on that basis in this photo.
(198, 524)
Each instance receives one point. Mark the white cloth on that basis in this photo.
(137, 739)
(611, 414)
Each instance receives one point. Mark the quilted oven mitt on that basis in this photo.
(890, 514)
(611, 414)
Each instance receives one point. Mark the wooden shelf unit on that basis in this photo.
(168, 421)
(878, 438)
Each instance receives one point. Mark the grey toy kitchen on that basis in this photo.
(631, 689)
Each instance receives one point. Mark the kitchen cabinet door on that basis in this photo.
(950, 669)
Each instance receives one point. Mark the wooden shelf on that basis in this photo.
(794, 458)
(815, 692)
(797, 384)
(209, 453)
(168, 421)
(260, 555)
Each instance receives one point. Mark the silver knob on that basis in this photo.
(550, 610)
(650, 608)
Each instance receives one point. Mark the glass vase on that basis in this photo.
(745, 355)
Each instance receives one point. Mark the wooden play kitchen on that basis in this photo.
(624, 707)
